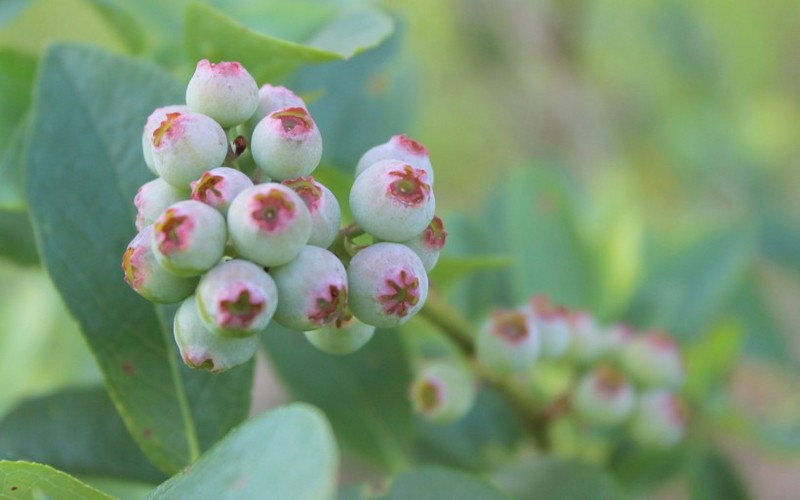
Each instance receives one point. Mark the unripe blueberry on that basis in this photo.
(312, 288)
(150, 126)
(654, 360)
(341, 337)
(326, 216)
(269, 224)
(225, 91)
(392, 200)
(185, 145)
(616, 340)
(604, 396)
(286, 144)
(146, 276)
(429, 243)
(507, 342)
(659, 419)
(189, 238)
(553, 325)
(274, 98)
(237, 298)
(218, 187)
(388, 284)
(202, 348)
(153, 198)
(401, 148)
(442, 392)
(586, 341)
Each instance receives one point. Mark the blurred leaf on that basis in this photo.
(490, 431)
(90, 107)
(451, 268)
(712, 476)
(29, 480)
(683, 291)
(763, 336)
(710, 358)
(286, 453)
(77, 431)
(779, 239)
(434, 483)
(16, 238)
(9, 9)
(125, 25)
(12, 168)
(210, 34)
(555, 479)
(639, 470)
(16, 78)
(363, 394)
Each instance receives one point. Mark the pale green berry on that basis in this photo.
(616, 340)
(553, 325)
(150, 126)
(312, 288)
(341, 337)
(218, 187)
(442, 392)
(388, 284)
(326, 216)
(654, 360)
(153, 198)
(286, 144)
(274, 98)
(604, 397)
(225, 91)
(392, 201)
(659, 419)
(146, 276)
(237, 298)
(202, 348)
(429, 243)
(507, 342)
(269, 224)
(401, 148)
(185, 145)
(586, 341)
(189, 238)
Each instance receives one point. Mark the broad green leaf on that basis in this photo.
(12, 168)
(451, 268)
(16, 78)
(16, 238)
(29, 480)
(710, 359)
(211, 34)
(555, 479)
(764, 336)
(124, 23)
(640, 470)
(712, 477)
(89, 110)
(434, 483)
(286, 453)
(77, 431)
(363, 394)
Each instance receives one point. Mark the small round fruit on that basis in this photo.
(442, 392)
(269, 224)
(586, 343)
(286, 144)
(189, 238)
(312, 288)
(326, 216)
(401, 148)
(388, 284)
(429, 244)
(553, 326)
(237, 298)
(225, 91)
(147, 278)
(392, 201)
(185, 145)
(202, 348)
(152, 199)
(218, 187)
(604, 397)
(654, 360)
(508, 342)
(274, 98)
(341, 337)
(659, 419)
(150, 126)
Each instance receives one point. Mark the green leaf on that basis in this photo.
(434, 483)
(363, 394)
(16, 78)
(125, 24)
(779, 237)
(12, 168)
(555, 479)
(89, 110)
(710, 359)
(210, 34)
(764, 336)
(451, 268)
(712, 476)
(16, 238)
(29, 480)
(641, 470)
(77, 431)
(286, 453)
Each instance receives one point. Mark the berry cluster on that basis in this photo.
(617, 378)
(242, 250)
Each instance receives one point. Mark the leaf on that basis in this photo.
(764, 337)
(16, 78)
(434, 483)
(89, 110)
(555, 479)
(210, 34)
(779, 238)
(77, 431)
(125, 25)
(641, 470)
(362, 394)
(12, 168)
(710, 359)
(29, 480)
(16, 238)
(286, 453)
(711, 476)
(451, 268)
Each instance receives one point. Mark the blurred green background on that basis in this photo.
(641, 154)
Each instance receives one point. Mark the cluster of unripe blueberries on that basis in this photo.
(617, 378)
(240, 249)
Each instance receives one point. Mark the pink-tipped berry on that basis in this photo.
(326, 216)
(225, 91)
(442, 392)
(654, 360)
(150, 126)
(604, 396)
(286, 144)
(401, 148)
(218, 187)
(508, 341)
(429, 243)
(153, 198)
